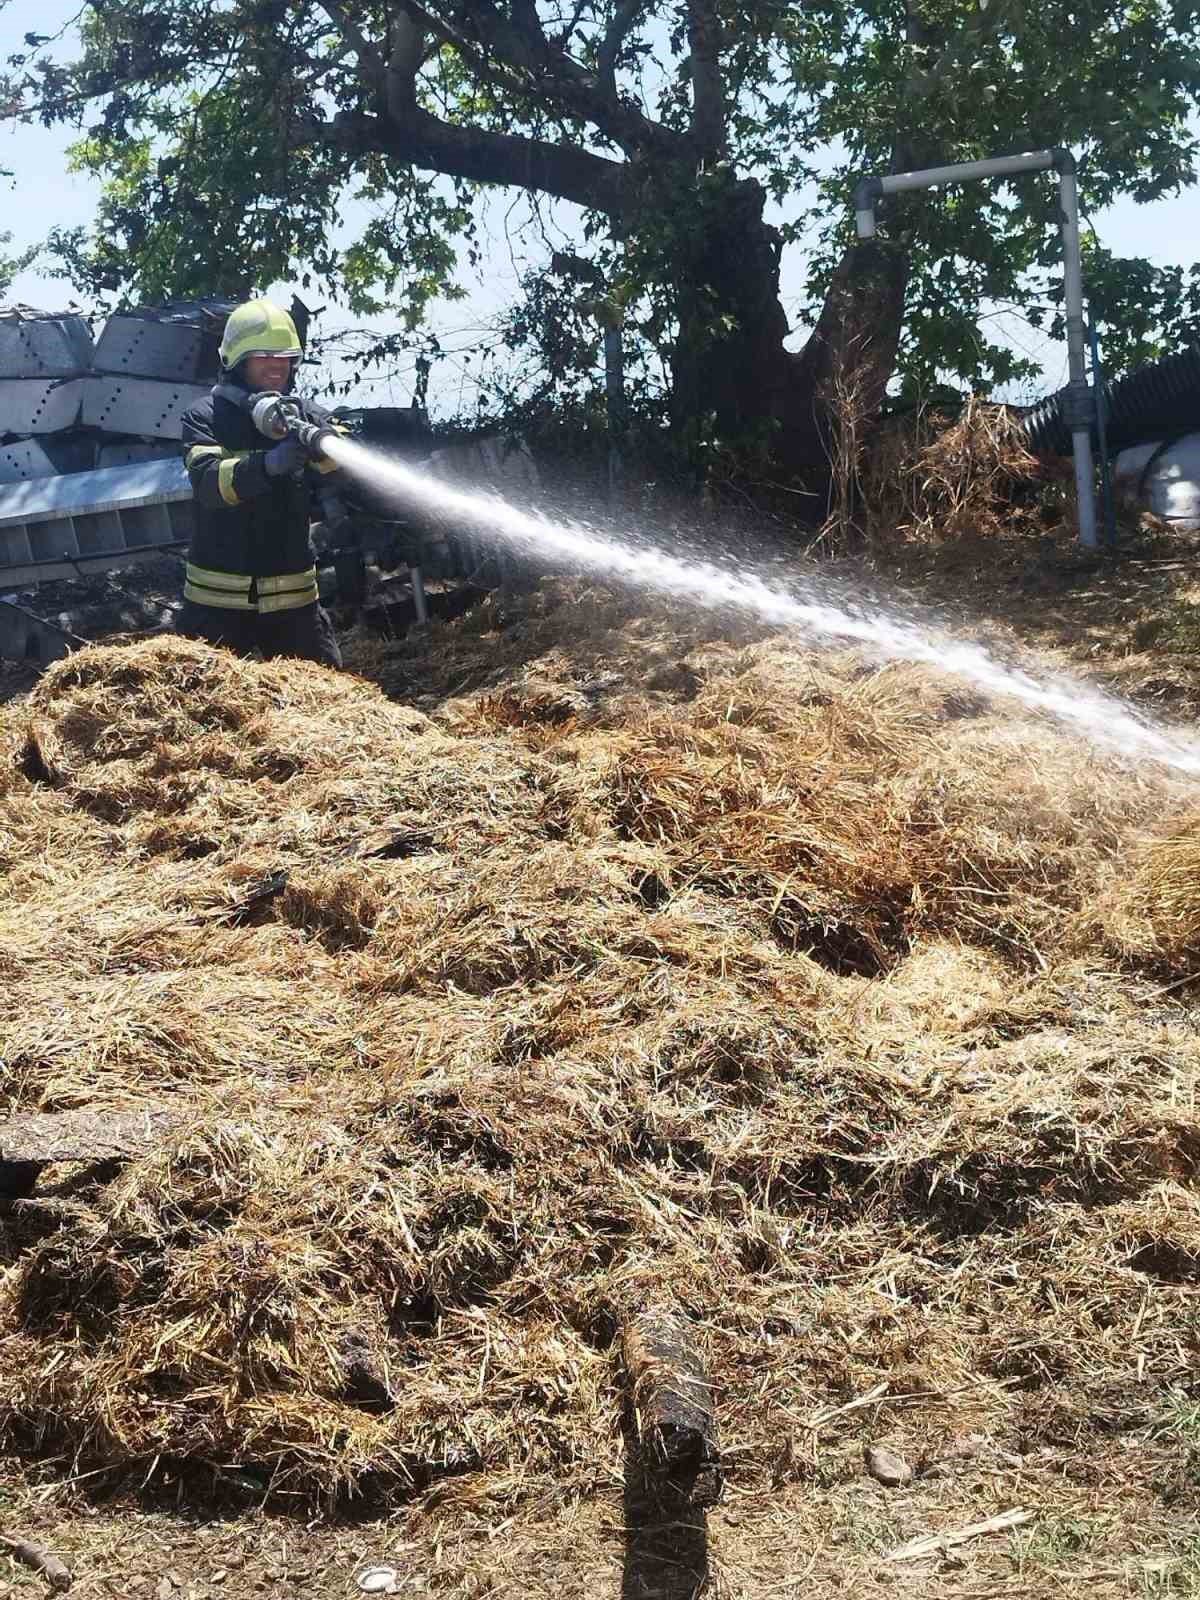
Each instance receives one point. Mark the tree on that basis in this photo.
(228, 135)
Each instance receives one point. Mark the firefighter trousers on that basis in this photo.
(303, 631)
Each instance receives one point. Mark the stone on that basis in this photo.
(886, 1467)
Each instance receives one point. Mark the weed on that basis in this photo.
(1051, 1541)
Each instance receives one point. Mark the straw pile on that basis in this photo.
(664, 968)
(933, 479)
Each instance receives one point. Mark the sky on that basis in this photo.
(43, 193)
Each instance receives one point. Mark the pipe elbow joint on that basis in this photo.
(867, 193)
(1064, 160)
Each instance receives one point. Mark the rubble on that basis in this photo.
(90, 475)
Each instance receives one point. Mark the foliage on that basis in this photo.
(343, 144)
(10, 266)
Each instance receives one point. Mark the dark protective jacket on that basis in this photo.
(250, 548)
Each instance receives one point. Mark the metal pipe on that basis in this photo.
(420, 603)
(1077, 403)
(964, 171)
(870, 190)
(1078, 398)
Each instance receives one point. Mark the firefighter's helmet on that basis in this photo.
(258, 328)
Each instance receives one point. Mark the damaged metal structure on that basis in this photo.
(71, 404)
(60, 527)
(90, 474)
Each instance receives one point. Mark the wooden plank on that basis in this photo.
(29, 1143)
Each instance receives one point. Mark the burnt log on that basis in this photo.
(33, 1555)
(672, 1404)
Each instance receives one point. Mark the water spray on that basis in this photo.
(802, 606)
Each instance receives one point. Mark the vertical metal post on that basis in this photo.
(614, 395)
(420, 604)
(1110, 510)
(1077, 405)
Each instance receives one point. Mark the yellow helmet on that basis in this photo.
(258, 328)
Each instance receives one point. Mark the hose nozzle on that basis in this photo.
(274, 414)
(278, 415)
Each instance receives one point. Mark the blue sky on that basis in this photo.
(43, 193)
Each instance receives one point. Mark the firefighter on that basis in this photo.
(251, 573)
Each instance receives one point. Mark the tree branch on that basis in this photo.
(372, 62)
(529, 25)
(708, 85)
(564, 37)
(406, 52)
(419, 139)
(490, 28)
(552, 76)
(912, 145)
(623, 19)
(446, 33)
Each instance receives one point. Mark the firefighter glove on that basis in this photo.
(288, 456)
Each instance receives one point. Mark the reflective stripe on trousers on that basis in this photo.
(237, 591)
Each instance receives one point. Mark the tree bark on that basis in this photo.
(729, 361)
(852, 350)
(708, 78)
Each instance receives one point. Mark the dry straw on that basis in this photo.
(797, 994)
(928, 478)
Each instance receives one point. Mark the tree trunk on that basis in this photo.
(730, 367)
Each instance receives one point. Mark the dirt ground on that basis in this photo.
(1111, 1509)
(830, 1535)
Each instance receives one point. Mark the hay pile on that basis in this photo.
(932, 479)
(664, 969)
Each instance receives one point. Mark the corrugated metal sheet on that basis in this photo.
(56, 527)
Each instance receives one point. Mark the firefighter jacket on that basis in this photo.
(250, 548)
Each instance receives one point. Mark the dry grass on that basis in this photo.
(809, 997)
(935, 480)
